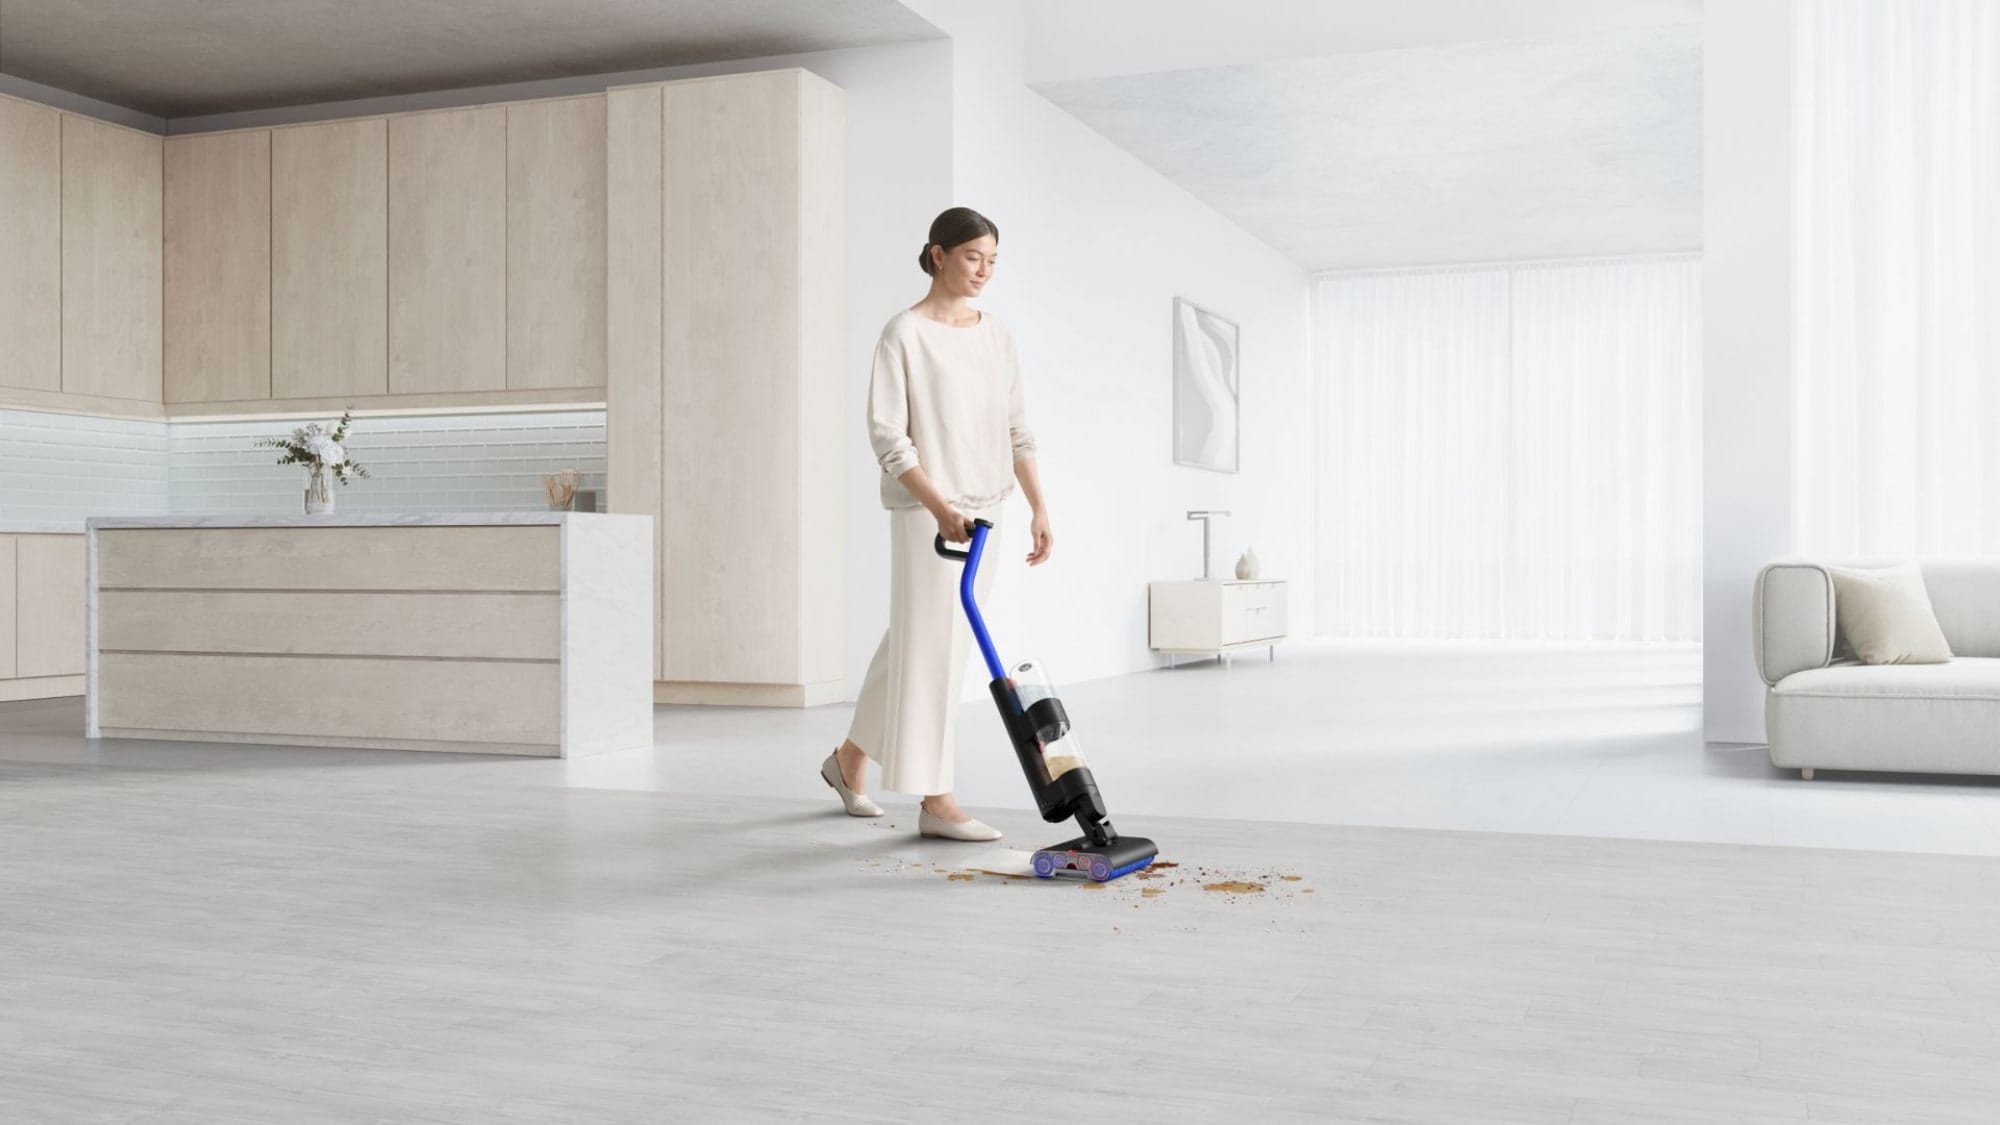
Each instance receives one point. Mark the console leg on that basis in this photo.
(1806, 773)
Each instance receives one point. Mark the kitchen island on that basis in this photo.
(492, 632)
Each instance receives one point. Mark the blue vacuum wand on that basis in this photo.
(1039, 728)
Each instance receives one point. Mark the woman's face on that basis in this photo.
(967, 267)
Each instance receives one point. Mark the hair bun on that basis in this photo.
(924, 258)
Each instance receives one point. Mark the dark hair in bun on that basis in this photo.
(952, 229)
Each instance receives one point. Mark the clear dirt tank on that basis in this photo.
(1060, 751)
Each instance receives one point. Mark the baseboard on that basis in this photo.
(40, 687)
(749, 695)
(341, 742)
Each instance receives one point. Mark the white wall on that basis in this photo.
(1094, 247)
(1747, 397)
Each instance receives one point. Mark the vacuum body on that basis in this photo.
(1050, 757)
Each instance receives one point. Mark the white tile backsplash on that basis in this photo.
(58, 467)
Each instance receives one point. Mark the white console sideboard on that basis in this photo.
(1207, 617)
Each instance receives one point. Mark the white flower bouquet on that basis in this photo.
(323, 452)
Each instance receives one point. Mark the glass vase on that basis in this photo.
(319, 498)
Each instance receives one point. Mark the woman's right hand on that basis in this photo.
(952, 525)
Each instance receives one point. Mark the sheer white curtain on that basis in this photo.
(1896, 376)
(1511, 453)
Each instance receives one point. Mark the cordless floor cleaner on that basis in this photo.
(1039, 728)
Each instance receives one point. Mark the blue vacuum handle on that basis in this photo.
(971, 557)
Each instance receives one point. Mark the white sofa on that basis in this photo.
(1825, 710)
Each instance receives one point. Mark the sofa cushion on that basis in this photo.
(1921, 718)
(1965, 595)
(1966, 678)
(1885, 616)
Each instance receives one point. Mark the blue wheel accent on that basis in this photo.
(1045, 865)
(1100, 869)
(1129, 868)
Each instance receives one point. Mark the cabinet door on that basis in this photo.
(218, 267)
(9, 598)
(730, 384)
(555, 243)
(50, 605)
(1185, 614)
(448, 251)
(632, 314)
(330, 259)
(1251, 611)
(111, 250)
(30, 246)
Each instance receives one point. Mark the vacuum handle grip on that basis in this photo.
(959, 556)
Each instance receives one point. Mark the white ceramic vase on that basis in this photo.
(1246, 567)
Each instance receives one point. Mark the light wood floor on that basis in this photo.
(235, 935)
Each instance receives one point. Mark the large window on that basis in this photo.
(1511, 453)
(1896, 342)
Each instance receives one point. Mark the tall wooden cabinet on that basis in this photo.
(330, 259)
(448, 251)
(112, 229)
(30, 246)
(218, 267)
(731, 383)
(555, 243)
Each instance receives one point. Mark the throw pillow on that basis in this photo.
(1885, 616)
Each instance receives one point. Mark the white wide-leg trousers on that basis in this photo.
(906, 719)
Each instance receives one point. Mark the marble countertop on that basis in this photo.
(360, 519)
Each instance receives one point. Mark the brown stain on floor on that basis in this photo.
(1234, 887)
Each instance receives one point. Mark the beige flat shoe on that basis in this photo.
(937, 828)
(857, 804)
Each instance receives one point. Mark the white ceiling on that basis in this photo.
(1422, 132)
(182, 58)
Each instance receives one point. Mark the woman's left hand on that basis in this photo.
(1045, 540)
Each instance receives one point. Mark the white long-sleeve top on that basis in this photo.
(948, 399)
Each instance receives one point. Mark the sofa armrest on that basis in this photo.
(1792, 619)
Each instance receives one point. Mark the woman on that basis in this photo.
(946, 422)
